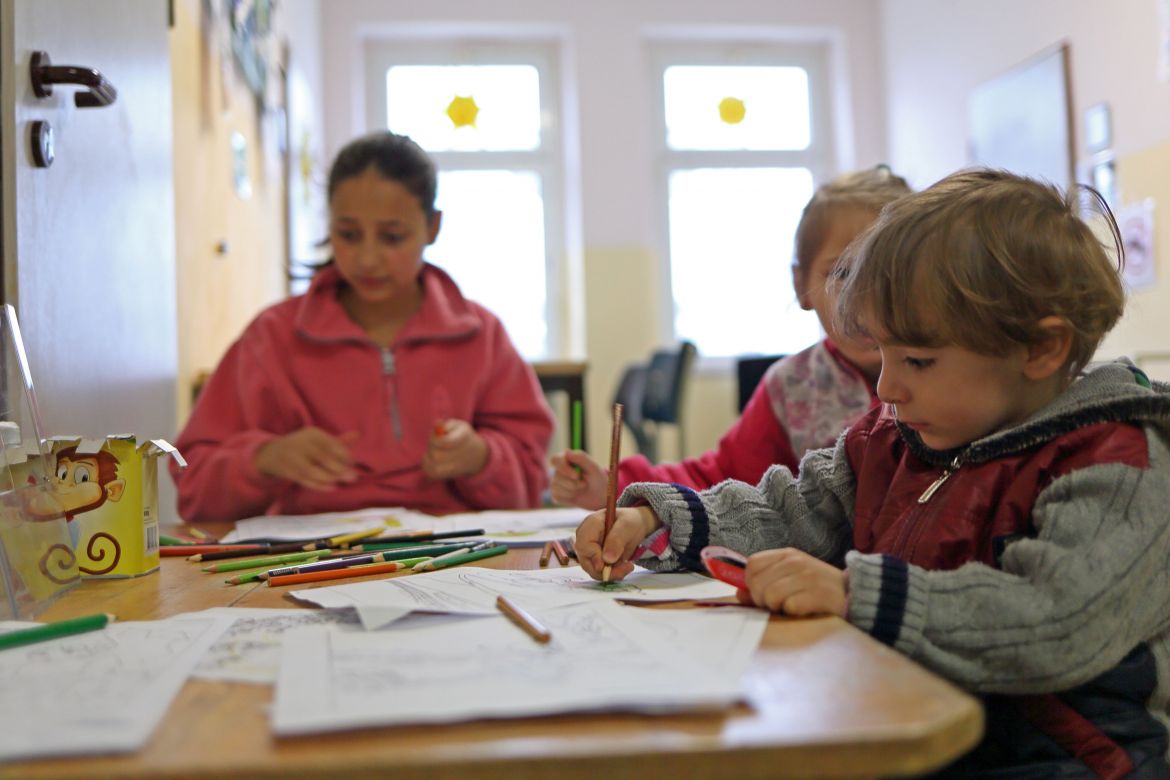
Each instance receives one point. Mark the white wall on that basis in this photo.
(937, 51)
(611, 149)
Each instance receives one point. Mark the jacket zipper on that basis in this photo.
(934, 486)
(389, 375)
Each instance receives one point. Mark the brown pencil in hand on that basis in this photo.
(615, 449)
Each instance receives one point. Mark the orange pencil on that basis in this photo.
(521, 618)
(340, 574)
(615, 449)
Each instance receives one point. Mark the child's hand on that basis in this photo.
(795, 583)
(585, 489)
(631, 525)
(454, 450)
(309, 457)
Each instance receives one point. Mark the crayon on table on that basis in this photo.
(398, 553)
(46, 631)
(267, 561)
(455, 560)
(198, 549)
(323, 565)
(424, 536)
(445, 556)
(578, 427)
(339, 574)
(545, 554)
(520, 617)
(559, 551)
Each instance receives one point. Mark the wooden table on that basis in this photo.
(567, 376)
(825, 701)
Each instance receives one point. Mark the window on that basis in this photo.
(745, 140)
(487, 115)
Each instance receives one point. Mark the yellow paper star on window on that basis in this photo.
(732, 110)
(462, 111)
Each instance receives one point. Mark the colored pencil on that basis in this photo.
(520, 617)
(45, 631)
(615, 449)
(252, 576)
(424, 536)
(444, 556)
(343, 540)
(172, 541)
(323, 565)
(577, 432)
(545, 554)
(559, 551)
(570, 547)
(499, 549)
(195, 549)
(339, 574)
(227, 554)
(397, 553)
(267, 561)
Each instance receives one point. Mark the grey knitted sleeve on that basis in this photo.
(1068, 604)
(814, 513)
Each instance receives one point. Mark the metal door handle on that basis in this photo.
(44, 75)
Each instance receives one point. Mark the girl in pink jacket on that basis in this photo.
(380, 386)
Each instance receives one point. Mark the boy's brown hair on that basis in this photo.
(977, 260)
(870, 189)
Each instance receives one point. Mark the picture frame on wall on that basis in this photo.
(1022, 120)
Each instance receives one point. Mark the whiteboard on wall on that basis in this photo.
(1021, 121)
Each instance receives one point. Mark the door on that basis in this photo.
(88, 242)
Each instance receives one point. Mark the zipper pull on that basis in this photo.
(934, 486)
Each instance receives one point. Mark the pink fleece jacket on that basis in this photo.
(802, 403)
(303, 362)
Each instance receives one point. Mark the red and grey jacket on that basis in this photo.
(1031, 567)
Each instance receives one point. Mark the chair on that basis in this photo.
(653, 394)
(748, 373)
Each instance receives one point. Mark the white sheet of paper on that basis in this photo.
(441, 668)
(472, 590)
(249, 650)
(517, 528)
(98, 692)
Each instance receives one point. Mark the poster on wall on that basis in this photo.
(1021, 120)
(1136, 223)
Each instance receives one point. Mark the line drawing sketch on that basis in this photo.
(445, 668)
(102, 691)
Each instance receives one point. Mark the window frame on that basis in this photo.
(819, 157)
(547, 161)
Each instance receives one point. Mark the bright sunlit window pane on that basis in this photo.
(772, 107)
(731, 233)
(492, 243)
(499, 108)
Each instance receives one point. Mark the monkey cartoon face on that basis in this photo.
(85, 482)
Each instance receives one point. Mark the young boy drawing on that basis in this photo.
(1002, 517)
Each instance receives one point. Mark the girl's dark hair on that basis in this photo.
(395, 157)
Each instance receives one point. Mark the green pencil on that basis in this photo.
(578, 410)
(455, 560)
(172, 541)
(268, 560)
(27, 636)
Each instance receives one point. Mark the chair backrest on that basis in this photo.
(630, 394)
(667, 377)
(748, 373)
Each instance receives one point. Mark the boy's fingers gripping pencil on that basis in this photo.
(46, 631)
(615, 447)
(520, 617)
